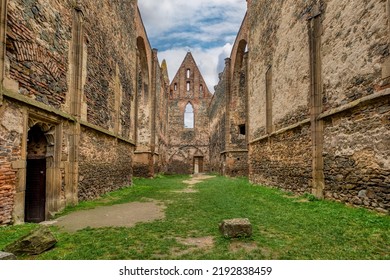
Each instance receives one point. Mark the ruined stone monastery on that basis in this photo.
(302, 104)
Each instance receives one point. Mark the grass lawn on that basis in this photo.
(284, 227)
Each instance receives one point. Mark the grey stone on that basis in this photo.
(35, 243)
(7, 256)
(362, 193)
(236, 228)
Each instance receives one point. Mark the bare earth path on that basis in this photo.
(121, 215)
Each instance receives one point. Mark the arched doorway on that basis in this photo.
(35, 198)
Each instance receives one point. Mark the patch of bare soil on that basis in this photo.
(195, 179)
(195, 243)
(187, 190)
(240, 245)
(249, 247)
(121, 215)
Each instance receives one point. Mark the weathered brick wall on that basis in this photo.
(217, 116)
(278, 39)
(40, 65)
(236, 164)
(185, 143)
(162, 91)
(105, 164)
(357, 146)
(356, 156)
(38, 36)
(110, 31)
(355, 104)
(283, 161)
(237, 104)
(354, 47)
(11, 129)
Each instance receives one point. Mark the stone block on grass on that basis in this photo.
(236, 228)
(35, 243)
(7, 256)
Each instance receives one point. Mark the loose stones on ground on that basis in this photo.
(235, 228)
(7, 256)
(35, 243)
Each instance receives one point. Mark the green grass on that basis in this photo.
(284, 226)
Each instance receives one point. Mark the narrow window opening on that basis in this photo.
(175, 86)
(188, 73)
(189, 116)
(188, 86)
(242, 129)
(201, 88)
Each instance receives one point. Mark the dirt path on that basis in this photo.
(121, 215)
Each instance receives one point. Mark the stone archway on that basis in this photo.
(41, 188)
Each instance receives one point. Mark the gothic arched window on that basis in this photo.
(189, 119)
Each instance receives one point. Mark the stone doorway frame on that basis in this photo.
(52, 129)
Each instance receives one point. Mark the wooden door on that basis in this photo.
(200, 164)
(35, 191)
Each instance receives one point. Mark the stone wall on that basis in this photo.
(283, 160)
(111, 59)
(356, 156)
(105, 164)
(217, 116)
(186, 143)
(70, 68)
(355, 34)
(318, 103)
(161, 141)
(228, 112)
(11, 129)
(38, 36)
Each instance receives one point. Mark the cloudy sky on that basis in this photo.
(207, 28)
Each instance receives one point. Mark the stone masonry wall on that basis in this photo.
(187, 143)
(278, 39)
(279, 43)
(110, 33)
(38, 36)
(105, 164)
(283, 161)
(355, 45)
(40, 82)
(11, 129)
(351, 131)
(217, 116)
(356, 156)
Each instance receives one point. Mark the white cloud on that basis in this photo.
(205, 27)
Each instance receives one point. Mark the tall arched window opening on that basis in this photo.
(189, 119)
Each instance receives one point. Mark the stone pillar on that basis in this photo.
(20, 166)
(315, 33)
(153, 98)
(268, 98)
(75, 88)
(75, 91)
(118, 102)
(246, 63)
(386, 64)
(3, 31)
(228, 93)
